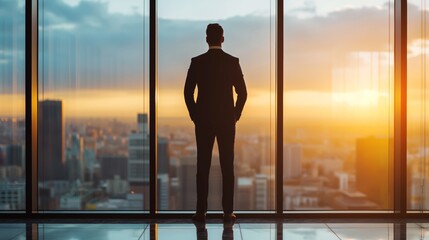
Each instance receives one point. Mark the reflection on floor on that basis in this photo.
(215, 230)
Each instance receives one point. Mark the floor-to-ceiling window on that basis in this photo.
(93, 133)
(93, 104)
(12, 105)
(249, 31)
(338, 105)
(417, 117)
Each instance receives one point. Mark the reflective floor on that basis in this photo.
(216, 230)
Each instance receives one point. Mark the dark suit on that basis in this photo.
(215, 73)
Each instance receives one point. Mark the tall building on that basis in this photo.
(74, 158)
(138, 159)
(51, 141)
(12, 196)
(163, 191)
(163, 156)
(187, 194)
(292, 161)
(244, 194)
(15, 155)
(76, 146)
(262, 190)
(3, 161)
(112, 166)
(163, 174)
(90, 163)
(374, 170)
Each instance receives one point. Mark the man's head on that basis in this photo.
(214, 34)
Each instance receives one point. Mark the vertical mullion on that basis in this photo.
(28, 33)
(400, 231)
(153, 231)
(32, 231)
(152, 108)
(400, 106)
(31, 92)
(279, 110)
(279, 230)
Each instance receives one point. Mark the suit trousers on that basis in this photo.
(205, 136)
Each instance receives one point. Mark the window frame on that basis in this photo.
(400, 127)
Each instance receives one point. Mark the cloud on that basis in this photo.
(86, 46)
(12, 44)
(115, 40)
(312, 45)
(305, 10)
(100, 50)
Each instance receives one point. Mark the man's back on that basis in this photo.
(215, 73)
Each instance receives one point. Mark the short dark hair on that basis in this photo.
(214, 33)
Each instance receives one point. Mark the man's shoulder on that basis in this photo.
(199, 57)
(205, 55)
(232, 58)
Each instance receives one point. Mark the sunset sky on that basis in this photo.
(94, 54)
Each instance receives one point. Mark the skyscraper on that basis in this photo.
(244, 193)
(163, 191)
(15, 155)
(292, 161)
(12, 196)
(187, 186)
(163, 156)
(3, 161)
(163, 173)
(51, 141)
(261, 191)
(74, 158)
(113, 165)
(138, 159)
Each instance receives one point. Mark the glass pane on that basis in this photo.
(417, 99)
(93, 231)
(338, 105)
(249, 34)
(12, 105)
(13, 231)
(417, 231)
(369, 231)
(93, 105)
(227, 231)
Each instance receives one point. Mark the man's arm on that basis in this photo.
(240, 89)
(190, 85)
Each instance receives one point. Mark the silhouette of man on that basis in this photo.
(214, 114)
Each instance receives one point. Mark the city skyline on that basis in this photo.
(332, 162)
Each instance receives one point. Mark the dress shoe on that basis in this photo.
(199, 217)
(229, 217)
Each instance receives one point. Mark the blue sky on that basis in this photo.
(223, 9)
(103, 44)
(12, 42)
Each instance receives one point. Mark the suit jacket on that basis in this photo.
(215, 73)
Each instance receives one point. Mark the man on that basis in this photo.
(215, 73)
